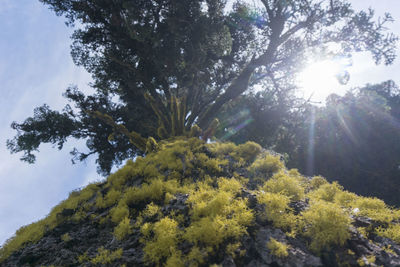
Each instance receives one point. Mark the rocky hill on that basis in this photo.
(188, 203)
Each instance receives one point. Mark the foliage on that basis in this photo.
(355, 141)
(160, 67)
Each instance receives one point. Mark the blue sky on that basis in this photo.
(36, 68)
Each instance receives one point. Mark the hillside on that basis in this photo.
(188, 203)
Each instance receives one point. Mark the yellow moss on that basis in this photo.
(232, 248)
(100, 203)
(350, 252)
(151, 210)
(213, 231)
(286, 185)
(119, 212)
(277, 248)
(26, 234)
(146, 229)
(118, 179)
(196, 256)
(79, 216)
(163, 245)
(388, 249)
(326, 192)
(65, 237)
(104, 256)
(229, 185)
(345, 198)
(277, 209)
(366, 261)
(317, 181)
(221, 149)
(375, 209)
(363, 231)
(112, 197)
(266, 165)
(83, 258)
(211, 164)
(152, 191)
(248, 151)
(175, 260)
(123, 229)
(326, 224)
(392, 232)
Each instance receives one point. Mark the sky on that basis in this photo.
(36, 68)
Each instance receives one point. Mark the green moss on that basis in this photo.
(326, 224)
(277, 248)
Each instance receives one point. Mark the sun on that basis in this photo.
(321, 78)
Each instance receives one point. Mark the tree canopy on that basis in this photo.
(161, 67)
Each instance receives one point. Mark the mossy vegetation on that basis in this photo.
(277, 248)
(213, 183)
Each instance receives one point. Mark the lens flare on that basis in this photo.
(322, 78)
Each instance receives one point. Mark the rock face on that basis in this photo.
(197, 204)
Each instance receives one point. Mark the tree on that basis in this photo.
(148, 58)
(355, 139)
